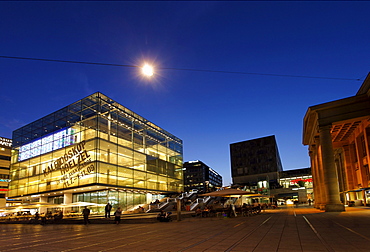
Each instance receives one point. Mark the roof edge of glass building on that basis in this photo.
(17, 142)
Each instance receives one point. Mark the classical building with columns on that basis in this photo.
(337, 134)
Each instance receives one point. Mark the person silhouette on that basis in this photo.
(86, 213)
(108, 208)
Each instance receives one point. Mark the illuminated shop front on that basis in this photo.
(294, 185)
(297, 188)
(94, 150)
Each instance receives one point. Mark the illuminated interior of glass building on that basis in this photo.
(94, 150)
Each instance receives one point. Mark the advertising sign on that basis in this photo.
(5, 142)
(46, 144)
(73, 165)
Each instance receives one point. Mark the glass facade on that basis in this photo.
(98, 145)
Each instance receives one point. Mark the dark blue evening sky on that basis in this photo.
(207, 110)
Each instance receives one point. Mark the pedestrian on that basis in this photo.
(161, 215)
(117, 216)
(108, 208)
(86, 213)
(37, 217)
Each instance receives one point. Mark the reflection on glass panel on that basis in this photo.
(108, 174)
(87, 179)
(124, 160)
(106, 179)
(125, 152)
(103, 135)
(104, 145)
(178, 172)
(129, 200)
(151, 143)
(125, 172)
(138, 175)
(138, 126)
(139, 165)
(162, 153)
(124, 133)
(113, 158)
(114, 139)
(88, 134)
(114, 199)
(103, 124)
(163, 186)
(55, 185)
(42, 187)
(103, 156)
(139, 199)
(21, 190)
(152, 164)
(121, 181)
(176, 160)
(170, 170)
(75, 107)
(23, 173)
(139, 161)
(125, 143)
(90, 123)
(152, 185)
(113, 130)
(139, 156)
(139, 184)
(88, 112)
(138, 142)
(175, 146)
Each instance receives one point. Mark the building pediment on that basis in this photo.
(343, 114)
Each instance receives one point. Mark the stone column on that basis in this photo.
(43, 200)
(320, 174)
(333, 203)
(67, 199)
(315, 176)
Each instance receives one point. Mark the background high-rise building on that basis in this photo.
(198, 175)
(255, 161)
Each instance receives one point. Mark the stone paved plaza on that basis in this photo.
(284, 229)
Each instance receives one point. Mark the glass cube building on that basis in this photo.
(94, 150)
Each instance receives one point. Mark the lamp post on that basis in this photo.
(147, 70)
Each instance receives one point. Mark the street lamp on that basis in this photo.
(147, 70)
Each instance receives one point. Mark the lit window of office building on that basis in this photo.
(95, 150)
(5, 154)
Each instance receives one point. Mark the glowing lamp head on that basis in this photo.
(147, 70)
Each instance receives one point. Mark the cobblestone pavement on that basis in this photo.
(285, 229)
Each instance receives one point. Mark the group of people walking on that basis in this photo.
(108, 209)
